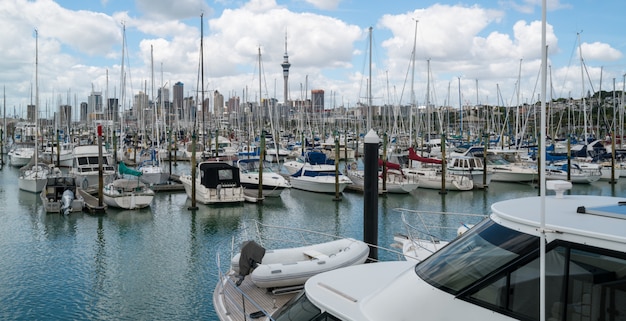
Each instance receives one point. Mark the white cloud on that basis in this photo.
(600, 52)
(324, 4)
(171, 10)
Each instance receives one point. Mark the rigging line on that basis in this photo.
(571, 57)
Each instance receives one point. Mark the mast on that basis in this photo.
(36, 155)
(413, 84)
(369, 86)
(582, 78)
(542, 173)
(202, 79)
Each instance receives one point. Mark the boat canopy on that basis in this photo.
(123, 169)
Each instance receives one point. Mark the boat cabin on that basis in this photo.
(214, 174)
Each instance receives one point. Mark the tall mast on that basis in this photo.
(412, 84)
(369, 86)
(582, 78)
(36, 95)
(202, 78)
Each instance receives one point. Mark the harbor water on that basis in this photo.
(159, 263)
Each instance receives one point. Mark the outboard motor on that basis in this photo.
(251, 255)
(66, 201)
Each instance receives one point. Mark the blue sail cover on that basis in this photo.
(318, 158)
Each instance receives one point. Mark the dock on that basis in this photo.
(173, 185)
(91, 203)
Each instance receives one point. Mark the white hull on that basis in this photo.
(511, 176)
(394, 184)
(293, 167)
(33, 185)
(129, 202)
(33, 180)
(205, 195)
(319, 184)
(273, 183)
(293, 266)
(416, 250)
(430, 179)
(127, 194)
(153, 175)
(65, 159)
(606, 173)
(20, 157)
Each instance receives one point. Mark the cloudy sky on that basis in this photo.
(477, 52)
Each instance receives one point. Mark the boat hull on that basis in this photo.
(319, 184)
(206, 195)
(33, 185)
(293, 266)
(127, 194)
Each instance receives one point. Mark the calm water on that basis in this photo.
(160, 263)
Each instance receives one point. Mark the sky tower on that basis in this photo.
(286, 66)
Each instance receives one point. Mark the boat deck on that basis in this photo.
(234, 303)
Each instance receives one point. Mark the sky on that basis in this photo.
(478, 52)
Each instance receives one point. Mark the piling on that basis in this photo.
(370, 193)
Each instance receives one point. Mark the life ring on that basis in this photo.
(353, 166)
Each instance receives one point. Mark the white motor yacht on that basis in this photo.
(493, 271)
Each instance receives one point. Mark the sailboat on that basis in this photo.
(33, 176)
(153, 173)
(127, 193)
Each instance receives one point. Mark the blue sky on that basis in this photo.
(486, 46)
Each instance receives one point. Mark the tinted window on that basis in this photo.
(581, 284)
(479, 252)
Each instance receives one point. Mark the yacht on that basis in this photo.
(85, 167)
(494, 271)
(319, 178)
(216, 183)
(250, 175)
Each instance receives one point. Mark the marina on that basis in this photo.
(160, 262)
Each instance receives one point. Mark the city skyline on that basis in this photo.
(478, 53)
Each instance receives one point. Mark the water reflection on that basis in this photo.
(160, 262)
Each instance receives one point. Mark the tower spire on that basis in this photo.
(285, 66)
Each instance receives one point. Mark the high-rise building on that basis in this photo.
(94, 102)
(178, 100)
(141, 101)
(218, 104)
(317, 100)
(30, 113)
(84, 112)
(163, 97)
(113, 109)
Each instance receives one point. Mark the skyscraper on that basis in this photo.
(317, 100)
(178, 99)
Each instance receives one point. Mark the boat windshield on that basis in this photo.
(299, 308)
(479, 252)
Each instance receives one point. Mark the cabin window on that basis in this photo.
(482, 251)
(299, 308)
(581, 284)
(225, 174)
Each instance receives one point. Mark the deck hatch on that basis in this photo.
(615, 211)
